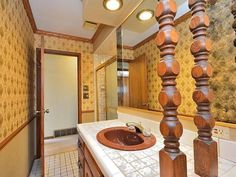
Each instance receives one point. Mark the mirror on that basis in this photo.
(138, 55)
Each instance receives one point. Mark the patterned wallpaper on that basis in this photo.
(101, 93)
(16, 67)
(127, 54)
(223, 83)
(224, 78)
(86, 50)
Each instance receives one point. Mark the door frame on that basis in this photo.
(79, 90)
(101, 66)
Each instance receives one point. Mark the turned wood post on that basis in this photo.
(205, 148)
(233, 11)
(172, 160)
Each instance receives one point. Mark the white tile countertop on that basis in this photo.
(143, 163)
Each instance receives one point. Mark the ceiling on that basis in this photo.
(135, 25)
(95, 12)
(68, 16)
(60, 16)
(135, 31)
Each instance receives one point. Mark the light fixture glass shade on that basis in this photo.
(145, 15)
(112, 5)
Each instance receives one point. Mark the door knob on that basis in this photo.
(45, 111)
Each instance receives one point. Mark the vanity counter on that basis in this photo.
(142, 163)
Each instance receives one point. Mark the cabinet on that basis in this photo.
(86, 163)
(87, 172)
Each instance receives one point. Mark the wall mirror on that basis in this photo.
(138, 55)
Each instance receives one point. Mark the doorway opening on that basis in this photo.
(58, 102)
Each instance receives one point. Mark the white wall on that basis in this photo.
(60, 93)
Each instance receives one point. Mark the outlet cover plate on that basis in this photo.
(221, 132)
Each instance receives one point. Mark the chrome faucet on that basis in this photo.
(138, 127)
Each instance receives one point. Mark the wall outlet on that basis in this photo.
(221, 132)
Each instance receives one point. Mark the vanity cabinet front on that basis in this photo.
(86, 163)
(87, 172)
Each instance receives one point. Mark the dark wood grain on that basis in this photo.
(205, 148)
(172, 160)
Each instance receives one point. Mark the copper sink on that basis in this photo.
(124, 139)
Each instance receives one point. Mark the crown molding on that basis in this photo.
(64, 36)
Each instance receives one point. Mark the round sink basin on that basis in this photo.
(124, 139)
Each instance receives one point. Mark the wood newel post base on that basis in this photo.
(172, 165)
(209, 165)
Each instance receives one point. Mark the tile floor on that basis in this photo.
(60, 158)
(60, 144)
(62, 165)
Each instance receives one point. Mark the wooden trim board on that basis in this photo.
(106, 63)
(63, 36)
(30, 14)
(87, 111)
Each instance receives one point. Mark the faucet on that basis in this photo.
(138, 127)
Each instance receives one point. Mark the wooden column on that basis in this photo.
(205, 148)
(233, 10)
(172, 160)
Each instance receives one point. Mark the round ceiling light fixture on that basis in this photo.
(146, 14)
(112, 5)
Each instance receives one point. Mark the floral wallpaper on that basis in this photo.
(17, 74)
(86, 50)
(223, 53)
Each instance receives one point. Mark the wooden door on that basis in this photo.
(138, 92)
(40, 105)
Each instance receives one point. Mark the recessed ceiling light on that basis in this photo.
(145, 15)
(112, 5)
